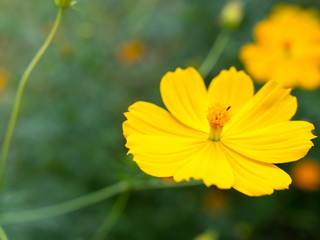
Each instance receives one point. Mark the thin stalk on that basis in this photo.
(112, 217)
(214, 53)
(87, 200)
(20, 91)
(3, 235)
(63, 208)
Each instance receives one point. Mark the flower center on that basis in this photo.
(218, 116)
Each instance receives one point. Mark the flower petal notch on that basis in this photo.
(286, 48)
(226, 136)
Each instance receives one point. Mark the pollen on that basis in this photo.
(218, 116)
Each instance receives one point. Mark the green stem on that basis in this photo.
(62, 208)
(3, 235)
(20, 90)
(87, 200)
(215, 52)
(112, 217)
(157, 183)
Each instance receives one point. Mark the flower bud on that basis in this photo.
(65, 3)
(231, 14)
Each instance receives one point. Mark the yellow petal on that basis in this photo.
(162, 156)
(271, 104)
(231, 88)
(310, 74)
(147, 118)
(185, 96)
(208, 164)
(260, 61)
(278, 143)
(255, 178)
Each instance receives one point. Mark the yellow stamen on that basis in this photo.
(218, 116)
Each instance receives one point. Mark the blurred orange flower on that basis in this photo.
(214, 201)
(3, 78)
(130, 52)
(306, 175)
(167, 180)
(287, 48)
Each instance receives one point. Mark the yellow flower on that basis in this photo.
(287, 48)
(225, 136)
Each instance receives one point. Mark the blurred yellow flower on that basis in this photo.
(287, 48)
(208, 235)
(130, 52)
(225, 136)
(306, 175)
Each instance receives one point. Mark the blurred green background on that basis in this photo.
(68, 141)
